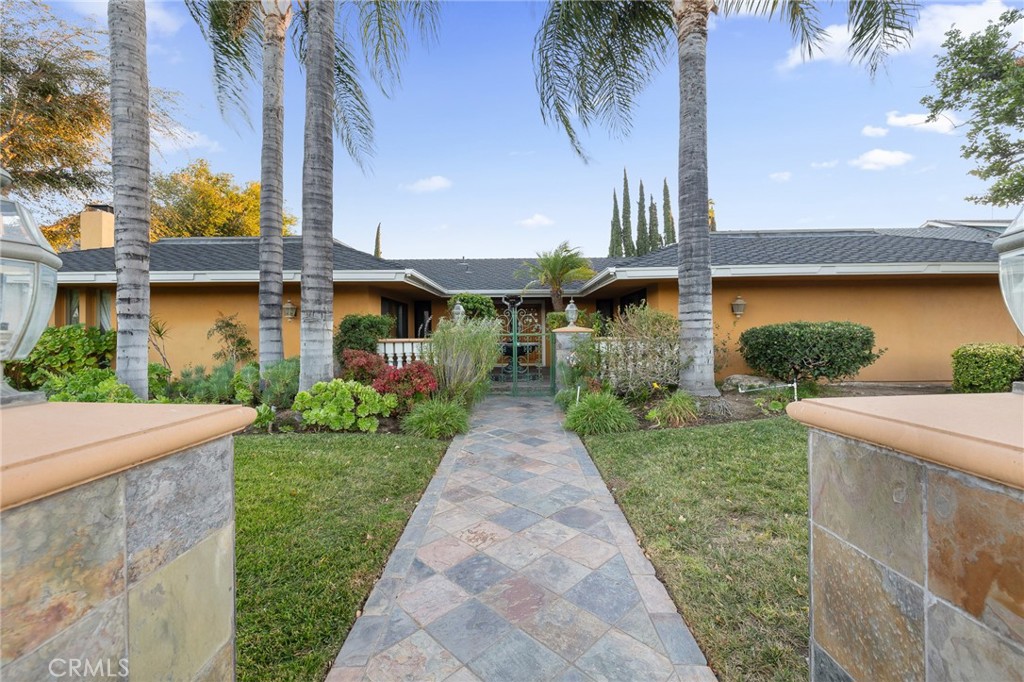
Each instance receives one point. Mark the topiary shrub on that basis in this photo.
(91, 385)
(410, 384)
(246, 384)
(62, 351)
(436, 418)
(343, 406)
(809, 351)
(678, 409)
(159, 381)
(361, 332)
(987, 367)
(477, 306)
(361, 366)
(598, 413)
(281, 383)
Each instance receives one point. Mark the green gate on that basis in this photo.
(522, 369)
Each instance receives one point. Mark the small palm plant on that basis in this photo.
(556, 268)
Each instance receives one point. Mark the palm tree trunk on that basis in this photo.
(696, 335)
(277, 14)
(129, 136)
(318, 199)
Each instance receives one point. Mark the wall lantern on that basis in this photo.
(458, 313)
(738, 307)
(572, 313)
(289, 310)
(1010, 247)
(28, 285)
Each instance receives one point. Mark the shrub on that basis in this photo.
(410, 384)
(159, 380)
(566, 397)
(462, 356)
(642, 348)
(246, 384)
(91, 385)
(598, 413)
(196, 386)
(809, 351)
(343, 406)
(361, 332)
(264, 417)
(477, 306)
(361, 366)
(987, 367)
(281, 383)
(436, 418)
(62, 351)
(679, 409)
(233, 336)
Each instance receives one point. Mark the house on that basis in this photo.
(923, 290)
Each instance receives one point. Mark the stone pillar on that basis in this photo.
(566, 341)
(117, 533)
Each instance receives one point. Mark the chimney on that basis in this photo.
(96, 227)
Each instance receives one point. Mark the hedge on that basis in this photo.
(809, 351)
(987, 367)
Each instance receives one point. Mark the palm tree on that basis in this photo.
(556, 268)
(593, 58)
(129, 136)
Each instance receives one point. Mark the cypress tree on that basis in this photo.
(642, 245)
(670, 223)
(376, 244)
(615, 242)
(654, 241)
(628, 247)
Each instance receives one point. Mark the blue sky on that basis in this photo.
(464, 166)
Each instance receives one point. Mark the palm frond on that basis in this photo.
(353, 121)
(383, 25)
(234, 32)
(878, 28)
(592, 59)
(802, 16)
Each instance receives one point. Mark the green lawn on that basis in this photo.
(316, 517)
(722, 512)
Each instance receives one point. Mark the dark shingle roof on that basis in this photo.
(220, 254)
(481, 274)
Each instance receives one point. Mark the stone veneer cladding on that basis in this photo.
(917, 570)
(136, 566)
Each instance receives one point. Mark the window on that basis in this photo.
(399, 311)
(105, 311)
(72, 311)
(636, 298)
(422, 319)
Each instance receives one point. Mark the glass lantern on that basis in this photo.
(28, 281)
(1010, 247)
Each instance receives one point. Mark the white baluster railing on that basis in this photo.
(400, 352)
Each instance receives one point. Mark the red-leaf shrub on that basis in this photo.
(361, 366)
(410, 383)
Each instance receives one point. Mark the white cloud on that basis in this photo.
(880, 159)
(536, 220)
(160, 18)
(945, 124)
(874, 131)
(781, 176)
(435, 183)
(825, 164)
(929, 32)
(181, 139)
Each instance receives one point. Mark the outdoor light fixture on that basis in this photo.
(458, 313)
(1010, 247)
(28, 286)
(738, 307)
(572, 313)
(289, 310)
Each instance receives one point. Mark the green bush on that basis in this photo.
(463, 356)
(343, 406)
(598, 413)
(91, 385)
(809, 351)
(233, 336)
(566, 397)
(159, 380)
(281, 383)
(436, 418)
(194, 385)
(361, 332)
(246, 384)
(477, 306)
(264, 417)
(62, 351)
(987, 367)
(595, 321)
(641, 349)
(678, 409)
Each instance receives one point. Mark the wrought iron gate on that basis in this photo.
(522, 370)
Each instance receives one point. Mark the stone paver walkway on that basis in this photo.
(518, 565)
